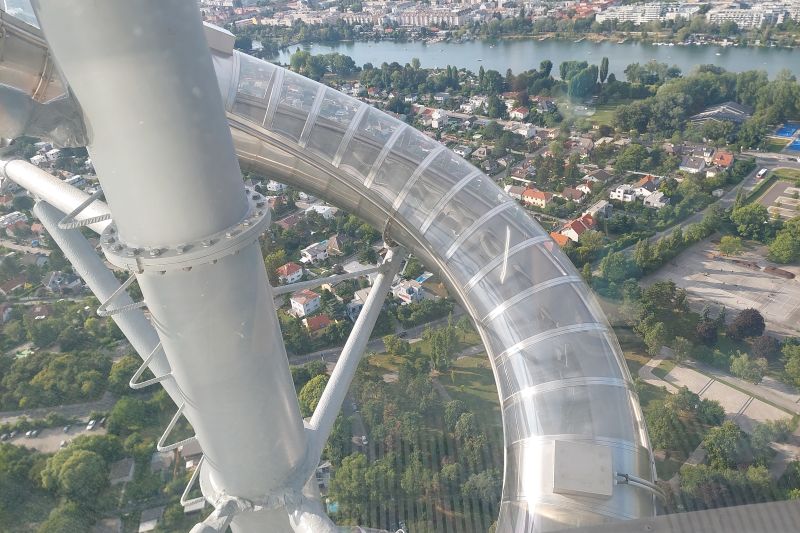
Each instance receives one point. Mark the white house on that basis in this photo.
(325, 211)
(645, 186)
(305, 302)
(600, 209)
(515, 191)
(692, 164)
(39, 160)
(354, 306)
(289, 273)
(463, 150)
(623, 193)
(53, 154)
(275, 186)
(439, 118)
(657, 200)
(408, 291)
(519, 113)
(314, 253)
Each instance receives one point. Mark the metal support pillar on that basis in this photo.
(159, 140)
(330, 404)
(103, 283)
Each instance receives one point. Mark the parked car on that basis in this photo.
(12, 434)
(761, 173)
(4, 437)
(28, 433)
(90, 426)
(66, 429)
(34, 433)
(364, 441)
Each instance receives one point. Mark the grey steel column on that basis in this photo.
(162, 149)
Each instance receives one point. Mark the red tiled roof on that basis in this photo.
(317, 322)
(579, 225)
(723, 158)
(561, 240)
(304, 296)
(537, 194)
(288, 269)
(644, 181)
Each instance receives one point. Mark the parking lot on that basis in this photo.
(49, 440)
(782, 199)
(716, 281)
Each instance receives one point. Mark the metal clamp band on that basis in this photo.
(106, 310)
(69, 222)
(160, 446)
(185, 256)
(134, 384)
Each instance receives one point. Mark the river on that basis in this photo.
(520, 55)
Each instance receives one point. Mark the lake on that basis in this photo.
(519, 55)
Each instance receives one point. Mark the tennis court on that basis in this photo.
(786, 130)
(794, 146)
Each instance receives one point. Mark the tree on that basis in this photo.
(791, 357)
(311, 393)
(723, 445)
(643, 255)
(82, 477)
(748, 323)
(349, 488)
(706, 332)
(747, 368)
(786, 246)
(413, 269)
(603, 69)
(752, 221)
(766, 347)
(128, 414)
(682, 348)
(273, 260)
(730, 245)
(452, 412)
(615, 267)
(68, 517)
(710, 412)
(484, 487)
(655, 337)
(663, 425)
(121, 373)
(465, 427)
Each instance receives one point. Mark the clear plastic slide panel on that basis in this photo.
(573, 410)
(254, 77)
(250, 108)
(374, 130)
(474, 200)
(295, 100)
(408, 151)
(442, 174)
(493, 237)
(545, 310)
(584, 354)
(523, 269)
(335, 115)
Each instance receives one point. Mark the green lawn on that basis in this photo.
(470, 380)
(604, 114)
(775, 144)
(788, 173)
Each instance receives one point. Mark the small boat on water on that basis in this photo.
(544, 38)
(581, 39)
(479, 59)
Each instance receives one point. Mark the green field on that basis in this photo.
(775, 144)
(788, 173)
(470, 380)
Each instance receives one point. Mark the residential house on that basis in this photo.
(317, 322)
(623, 193)
(289, 273)
(598, 175)
(150, 518)
(585, 187)
(692, 164)
(441, 97)
(490, 166)
(59, 282)
(571, 194)
(289, 221)
(354, 306)
(519, 113)
(482, 152)
(561, 240)
(439, 119)
(276, 186)
(575, 228)
(52, 154)
(39, 160)
(355, 266)
(37, 228)
(600, 209)
(515, 191)
(323, 475)
(536, 197)
(463, 150)
(408, 291)
(722, 159)
(656, 200)
(325, 211)
(645, 186)
(314, 253)
(12, 218)
(304, 302)
(527, 131)
(337, 244)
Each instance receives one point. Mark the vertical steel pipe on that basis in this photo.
(159, 140)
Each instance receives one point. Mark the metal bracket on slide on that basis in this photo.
(69, 222)
(135, 384)
(185, 256)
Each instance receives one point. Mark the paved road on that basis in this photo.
(77, 410)
(11, 245)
